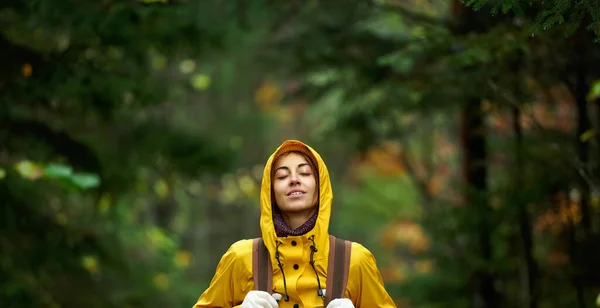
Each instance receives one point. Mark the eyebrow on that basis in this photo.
(287, 168)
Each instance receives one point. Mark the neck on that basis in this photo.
(295, 220)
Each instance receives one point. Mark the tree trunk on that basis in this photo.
(582, 88)
(530, 266)
(573, 255)
(475, 176)
(465, 20)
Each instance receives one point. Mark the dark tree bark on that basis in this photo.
(582, 87)
(580, 91)
(475, 177)
(474, 163)
(530, 266)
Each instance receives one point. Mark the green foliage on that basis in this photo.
(130, 131)
(594, 93)
(64, 173)
(109, 112)
(61, 174)
(548, 14)
(433, 71)
(378, 202)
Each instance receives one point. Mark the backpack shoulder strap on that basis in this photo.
(262, 271)
(337, 268)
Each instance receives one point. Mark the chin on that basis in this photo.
(295, 208)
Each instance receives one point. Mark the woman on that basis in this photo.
(295, 202)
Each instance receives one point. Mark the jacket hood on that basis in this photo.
(321, 228)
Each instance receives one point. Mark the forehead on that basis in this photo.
(290, 160)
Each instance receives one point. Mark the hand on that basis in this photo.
(340, 303)
(259, 299)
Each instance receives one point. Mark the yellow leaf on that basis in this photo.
(418, 31)
(27, 69)
(247, 185)
(29, 169)
(587, 135)
(187, 66)
(63, 41)
(228, 195)
(161, 281)
(156, 237)
(182, 258)
(161, 188)
(268, 95)
(397, 272)
(104, 203)
(285, 115)
(201, 82)
(594, 91)
(423, 266)
(2, 173)
(229, 191)
(90, 263)
(158, 61)
(598, 300)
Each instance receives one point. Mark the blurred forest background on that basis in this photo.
(462, 138)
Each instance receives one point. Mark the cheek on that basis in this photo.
(278, 188)
(315, 189)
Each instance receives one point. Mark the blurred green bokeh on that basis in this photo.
(462, 142)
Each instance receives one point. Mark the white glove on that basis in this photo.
(259, 299)
(340, 303)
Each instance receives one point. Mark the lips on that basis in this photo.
(296, 192)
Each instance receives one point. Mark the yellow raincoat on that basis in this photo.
(233, 277)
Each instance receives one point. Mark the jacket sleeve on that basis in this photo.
(365, 285)
(232, 280)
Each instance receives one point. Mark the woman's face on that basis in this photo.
(294, 184)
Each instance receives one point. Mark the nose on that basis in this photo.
(294, 178)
